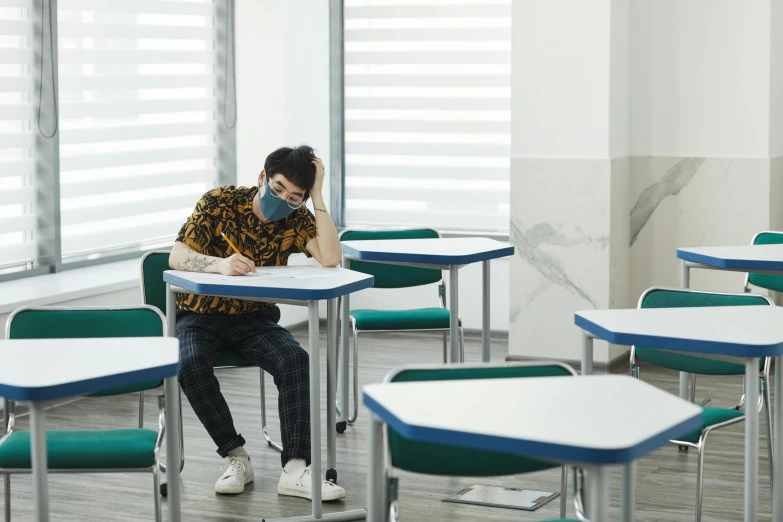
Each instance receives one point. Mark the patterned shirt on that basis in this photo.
(230, 210)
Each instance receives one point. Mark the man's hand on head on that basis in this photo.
(319, 177)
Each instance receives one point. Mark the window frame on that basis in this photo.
(47, 183)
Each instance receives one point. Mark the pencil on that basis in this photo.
(235, 249)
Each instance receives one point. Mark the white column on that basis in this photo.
(569, 170)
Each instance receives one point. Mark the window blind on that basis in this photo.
(137, 121)
(17, 218)
(427, 113)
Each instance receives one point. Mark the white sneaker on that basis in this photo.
(299, 484)
(236, 473)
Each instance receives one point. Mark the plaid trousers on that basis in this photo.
(258, 338)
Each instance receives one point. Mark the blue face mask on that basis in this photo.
(273, 209)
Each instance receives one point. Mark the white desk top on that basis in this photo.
(436, 251)
(739, 331)
(45, 369)
(598, 419)
(746, 257)
(335, 283)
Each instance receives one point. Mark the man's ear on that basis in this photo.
(261, 176)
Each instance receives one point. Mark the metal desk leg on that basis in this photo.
(315, 407)
(173, 437)
(587, 353)
(344, 362)
(39, 458)
(172, 448)
(485, 302)
(629, 492)
(777, 435)
(751, 440)
(454, 314)
(375, 485)
(331, 402)
(598, 493)
(685, 282)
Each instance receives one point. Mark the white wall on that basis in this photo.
(776, 81)
(700, 78)
(559, 45)
(282, 88)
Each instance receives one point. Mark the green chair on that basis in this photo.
(766, 281)
(451, 461)
(153, 292)
(713, 418)
(388, 276)
(87, 451)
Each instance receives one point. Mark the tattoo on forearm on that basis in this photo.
(316, 232)
(320, 210)
(195, 262)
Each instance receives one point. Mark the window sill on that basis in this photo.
(51, 289)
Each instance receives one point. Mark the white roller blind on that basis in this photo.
(137, 120)
(427, 113)
(17, 218)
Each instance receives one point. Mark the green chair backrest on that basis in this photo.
(445, 460)
(153, 292)
(770, 282)
(681, 298)
(70, 323)
(394, 276)
(153, 289)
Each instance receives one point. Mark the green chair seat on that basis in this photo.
(418, 319)
(84, 449)
(711, 417)
(444, 460)
(230, 359)
(690, 363)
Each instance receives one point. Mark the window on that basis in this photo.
(427, 113)
(137, 121)
(114, 118)
(17, 139)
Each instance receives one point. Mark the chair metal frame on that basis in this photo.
(390, 481)
(764, 399)
(355, 331)
(9, 416)
(264, 428)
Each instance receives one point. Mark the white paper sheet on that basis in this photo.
(296, 272)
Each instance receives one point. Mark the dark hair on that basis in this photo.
(295, 164)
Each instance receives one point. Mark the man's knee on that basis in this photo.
(193, 366)
(297, 359)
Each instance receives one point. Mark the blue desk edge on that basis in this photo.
(429, 259)
(675, 344)
(303, 294)
(73, 389)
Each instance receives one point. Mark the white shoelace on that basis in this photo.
(234, 463)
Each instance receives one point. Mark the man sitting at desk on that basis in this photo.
(266, 223)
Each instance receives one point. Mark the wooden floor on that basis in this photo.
(665, 490)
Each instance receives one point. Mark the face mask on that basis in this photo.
(273, 209)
